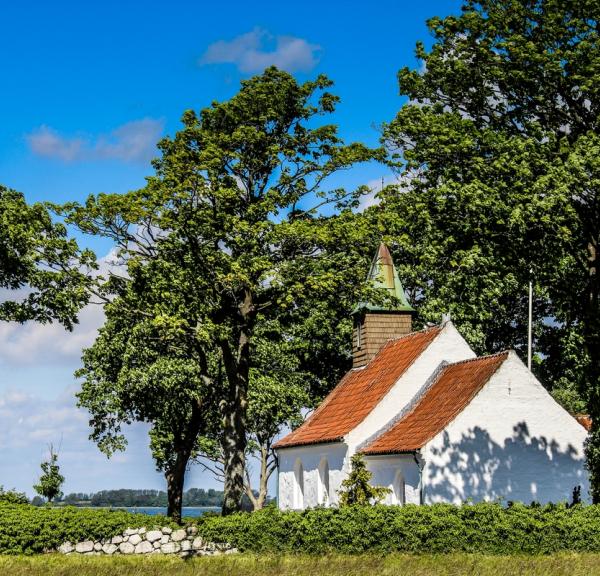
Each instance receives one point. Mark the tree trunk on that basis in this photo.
(266, 469)
(592, 346)
(175, 475)
(175, 478)
(237, 369)
(234, 428)
(264, 477)
(234, 452)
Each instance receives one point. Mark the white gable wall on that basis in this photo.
(512, 442)
(448, 346)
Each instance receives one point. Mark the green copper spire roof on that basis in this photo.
(383, 275)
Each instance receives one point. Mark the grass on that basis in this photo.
(335, 565)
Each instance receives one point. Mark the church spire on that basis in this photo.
(383, 275)
(375, 324)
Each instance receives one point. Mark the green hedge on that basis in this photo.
(26, 529)
(483, 528)
(441, 528)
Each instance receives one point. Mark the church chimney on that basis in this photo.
(375, 324)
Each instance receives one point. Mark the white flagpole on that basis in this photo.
(529, 329)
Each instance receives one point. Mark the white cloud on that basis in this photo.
(249, 53)
(26, 420)
(132, 142)
(47, 142)
(28, 424)
(32, 343)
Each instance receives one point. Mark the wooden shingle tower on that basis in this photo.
(375, 324)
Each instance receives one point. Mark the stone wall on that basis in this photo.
(184, 542)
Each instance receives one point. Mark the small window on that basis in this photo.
(298, 485)
(398, 495)
(323, 490)
(359, 334)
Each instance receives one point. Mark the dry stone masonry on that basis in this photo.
(184, 542)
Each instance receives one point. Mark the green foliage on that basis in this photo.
(568, 396)
(499, 149)
(356, 490)
(51, 479)
(26, 529)
(39, 264)
(128, 498)
(125, 498)
(12, 497)
(227, 244)
(277, 391)
(440, 528)
(592, 452)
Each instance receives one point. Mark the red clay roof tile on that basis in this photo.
(585, 420)
(453, 389)
(360, 391)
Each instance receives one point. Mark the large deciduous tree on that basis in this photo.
(499, 145)
(226, 235)
(40, 274)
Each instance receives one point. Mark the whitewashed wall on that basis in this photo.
(400, 473)
(312, 459)
(448, 346)
(513, 442)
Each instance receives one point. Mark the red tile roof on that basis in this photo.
(453, 389)
(360, 391)
(585, 420)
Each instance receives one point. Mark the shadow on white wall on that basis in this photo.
(524, 468)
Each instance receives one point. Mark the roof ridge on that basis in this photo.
(477, 358)
(410, 406)
(413, 333)
(434, 380)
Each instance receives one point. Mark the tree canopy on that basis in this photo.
(41, 271)
(51, 480)
(498, 148)
(356, 488)
(225, 240)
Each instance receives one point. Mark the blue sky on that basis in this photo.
(87, 90)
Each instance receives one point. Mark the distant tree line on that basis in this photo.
(132, 498)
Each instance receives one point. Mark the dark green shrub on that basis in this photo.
(26, 529)
(441, 528)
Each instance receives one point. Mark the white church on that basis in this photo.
(434, 422)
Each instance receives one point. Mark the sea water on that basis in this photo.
(189, 511)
